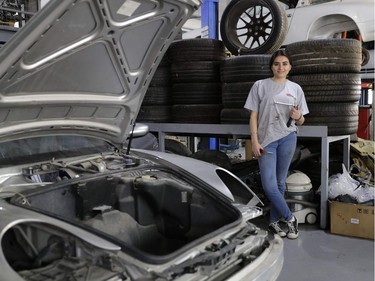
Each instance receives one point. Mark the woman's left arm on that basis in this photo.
(297, 115)
(303, 109)
(300, 120)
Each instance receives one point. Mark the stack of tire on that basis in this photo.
(329, 74)
(196, 86)
(238, 75)
(157, 103)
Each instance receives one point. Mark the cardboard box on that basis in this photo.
(352, 219)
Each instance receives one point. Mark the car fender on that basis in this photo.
(322, 21)
(209, 173)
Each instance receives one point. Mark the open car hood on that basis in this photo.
(83, 67)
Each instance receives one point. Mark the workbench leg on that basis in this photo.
(324, 183)
(191, 143)
(347, 153)
(161, 138)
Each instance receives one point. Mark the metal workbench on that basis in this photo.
(243, 131)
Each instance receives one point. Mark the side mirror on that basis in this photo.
(140, 130)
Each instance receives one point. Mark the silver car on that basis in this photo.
(76, 203)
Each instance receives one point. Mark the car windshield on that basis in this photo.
(43, 148)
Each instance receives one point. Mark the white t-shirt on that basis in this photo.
(273, 102)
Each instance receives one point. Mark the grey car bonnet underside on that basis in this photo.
(83, 66)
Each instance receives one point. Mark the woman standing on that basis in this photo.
(277, 106)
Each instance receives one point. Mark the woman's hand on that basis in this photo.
(297, 116)
(295, 113)
(257, 149)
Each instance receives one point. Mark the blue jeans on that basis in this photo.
(274, 166)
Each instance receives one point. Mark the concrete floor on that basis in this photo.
(318, 255)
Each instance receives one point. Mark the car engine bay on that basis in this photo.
(151, 211)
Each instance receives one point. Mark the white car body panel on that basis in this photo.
(324, 20)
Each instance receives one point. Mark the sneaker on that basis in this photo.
(293, 229)
(276, 229)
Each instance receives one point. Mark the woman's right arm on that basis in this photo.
(255, 146)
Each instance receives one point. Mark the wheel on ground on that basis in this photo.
(311, 218)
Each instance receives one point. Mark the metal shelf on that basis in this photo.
(243, 131)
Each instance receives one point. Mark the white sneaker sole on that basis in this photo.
(292, 236)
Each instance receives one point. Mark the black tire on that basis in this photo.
(165, 61)
(330, 87)
(176, 147)
(234, 116)
(158, 96)
(196, 49)
(149, 142)
(244, 31)
(196, 113)
(340, 118)
(234, 95)
(155, 113)
(162, 77)
(248, 68)
(326, 56)
(197, 72)
(365, 56)
(196, 93)
(215, 157)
